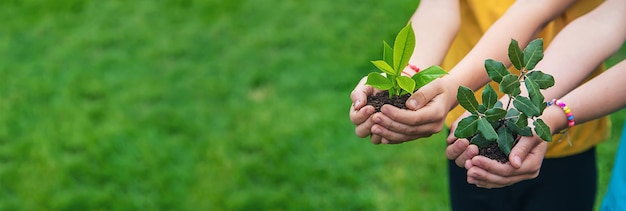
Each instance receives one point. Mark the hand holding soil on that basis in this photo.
(392, 86)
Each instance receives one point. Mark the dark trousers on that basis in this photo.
(568, 183)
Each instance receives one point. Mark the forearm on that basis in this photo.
(583, 45)
(598, 97)
(522, 21)
(436, 23)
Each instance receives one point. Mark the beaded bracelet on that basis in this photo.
(568, 112)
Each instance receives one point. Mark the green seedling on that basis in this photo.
(491, 121)
(394, 61)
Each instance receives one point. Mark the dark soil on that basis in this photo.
(493, 152)
(378, 100)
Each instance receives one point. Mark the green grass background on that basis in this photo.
(204, 105)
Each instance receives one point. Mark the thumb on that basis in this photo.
(360, 93)
(521, 150)
(451, 137)
(424, 95)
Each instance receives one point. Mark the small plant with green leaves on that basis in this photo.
(491, 122)
(394, 61)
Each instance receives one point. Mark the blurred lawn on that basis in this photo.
(203, 105)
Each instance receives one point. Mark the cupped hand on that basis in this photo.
(426, 113)
(524, 163)
(459, 150)
(360, 113)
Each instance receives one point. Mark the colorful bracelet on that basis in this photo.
(414, 68)
(568, 112)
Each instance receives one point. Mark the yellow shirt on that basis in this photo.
(477, 16)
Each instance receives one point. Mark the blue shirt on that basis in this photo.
(615, 198)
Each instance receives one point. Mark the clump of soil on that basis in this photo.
(382, 98)
(493, 152)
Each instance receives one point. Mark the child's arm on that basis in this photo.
(522, 21)
(435, 23)
(574, 53)
(583, 45)
(596, 98)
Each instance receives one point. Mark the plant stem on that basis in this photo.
(523, 73)
(509, 103)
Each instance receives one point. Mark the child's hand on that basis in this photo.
(428, 108)
(459, 150)
(488, 173)
(360, 114)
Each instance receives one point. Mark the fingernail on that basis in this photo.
(377, 120)
(384, 109)
(517, 160)
(377, 131)
(412, 103)
(357, 103)
(471, 180)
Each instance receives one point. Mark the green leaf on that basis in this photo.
(517, 122)
(484, 127)
(378, 81)
(467, 127)
(505, 140)
(543, 80)
(524, 131)
(498, 105)
(479, 140)
(512, 112)
(533, 53)
(467, 100)
(387, 53)
(495, 114)
(522, 120)
(516, 55)
(534, 93)
(510, 85)
(383, 66)
(496, 70)
(481, 109)
(403, 48)
(490, 97)
(527, 107)
(407, 84)
(542, 130)
(428, 75)
(495, 124)
(433, 71)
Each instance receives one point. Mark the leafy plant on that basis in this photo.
(490, 121)
(394, 61)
